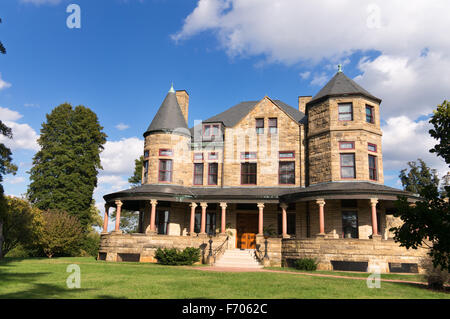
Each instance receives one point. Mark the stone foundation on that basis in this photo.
(375, 252)
(113, 247)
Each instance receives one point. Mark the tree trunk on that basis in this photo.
(1, 239)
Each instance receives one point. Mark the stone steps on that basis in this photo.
(236, 258)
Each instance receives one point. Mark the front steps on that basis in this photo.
(238, 258)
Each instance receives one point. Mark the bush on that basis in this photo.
(305, 264)
(435, 276)
(90, 245)
(61, 234)
(172, 256)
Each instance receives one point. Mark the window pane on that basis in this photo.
(198, 220)
(345, 117)
(259, 122)
(207, 130)
(372, 147)
(346, 145)
(347, 160)
(165, 152)
(212, 176)
(348, 172)
(350, 224)
(345, 108)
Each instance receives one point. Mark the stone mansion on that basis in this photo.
(276, 181)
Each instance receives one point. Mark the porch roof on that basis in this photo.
(330, 190)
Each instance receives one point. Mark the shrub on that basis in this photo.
(61, 234)
(305, 264)
(435, 276)
(172, 256)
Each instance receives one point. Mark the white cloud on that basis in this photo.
(15, 180)
(122, 126)
(411, 86)
(290, 30)
(9, 115)
(118, 156)
(319, 79)
(405, 140)
(4, 84)
(305, 75)
(411, 40)
(24, 136)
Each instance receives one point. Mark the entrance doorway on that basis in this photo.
(247, 227)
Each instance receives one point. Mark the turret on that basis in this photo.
(166, 144)
(344, 135)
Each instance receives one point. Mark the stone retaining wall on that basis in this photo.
(112, 245)
(374, 251)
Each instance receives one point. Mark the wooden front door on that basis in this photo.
(247, 227)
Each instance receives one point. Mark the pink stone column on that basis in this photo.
(284, 219)
(118, 210)
(223, 222)
(192, 224)
(203, 223)
(105, 220)
(373, 204)
(261, 219)
(153, 202)
(321, 204)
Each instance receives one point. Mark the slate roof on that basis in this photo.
(340, 85)
(234, 114)
(169, 117)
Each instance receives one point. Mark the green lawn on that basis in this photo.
(46, 278)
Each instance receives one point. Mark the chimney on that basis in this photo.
(183, 102)
(302, 100)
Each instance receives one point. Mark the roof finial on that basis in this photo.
(339, 68)
(171, 89)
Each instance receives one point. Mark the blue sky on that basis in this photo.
(126, 54)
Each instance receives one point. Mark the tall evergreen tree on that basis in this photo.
(2, 48)
(418, 177)
(64, 172)
(136, 179)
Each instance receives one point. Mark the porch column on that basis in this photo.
(224, 211)
(192, 223)
(203, 223)
(284, 220)
(260, 219)
(118, 210)
(105, 219)
(153, 202)
(321, 203)
(373, 204)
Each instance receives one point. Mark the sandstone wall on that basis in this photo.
(375, 252)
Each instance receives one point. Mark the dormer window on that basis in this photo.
(211, 130)
(345, 111)
(260, 126)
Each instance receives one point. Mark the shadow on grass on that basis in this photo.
(36, 289)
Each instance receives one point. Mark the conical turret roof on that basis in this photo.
(341, 85)
(169, 116)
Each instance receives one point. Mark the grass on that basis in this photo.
(46, 278)
(406, 277)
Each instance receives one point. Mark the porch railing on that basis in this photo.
(220, 250)
(259, 255)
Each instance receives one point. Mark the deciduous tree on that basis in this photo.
(441, 131)
(61, 234)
